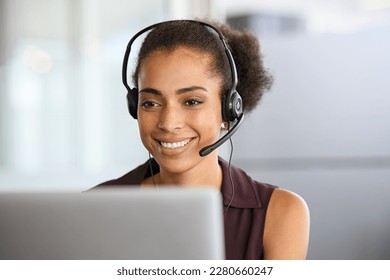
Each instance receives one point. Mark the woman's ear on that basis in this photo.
(225, 126)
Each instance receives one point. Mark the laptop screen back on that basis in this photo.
(138, 223)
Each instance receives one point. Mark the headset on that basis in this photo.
(232, 107)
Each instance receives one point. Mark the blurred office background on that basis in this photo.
(323, 131)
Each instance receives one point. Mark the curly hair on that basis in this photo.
(253, 78)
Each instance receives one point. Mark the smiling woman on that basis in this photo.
(187, 94)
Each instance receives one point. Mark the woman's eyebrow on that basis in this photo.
(179, 91)
(150, 90)
(189, 89)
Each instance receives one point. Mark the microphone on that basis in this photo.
(208, 149)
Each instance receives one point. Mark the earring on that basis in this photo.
(225, 126)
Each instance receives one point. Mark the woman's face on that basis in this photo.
(179, 108)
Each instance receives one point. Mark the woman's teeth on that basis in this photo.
(175, 145)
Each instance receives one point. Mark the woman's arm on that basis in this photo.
(287, 225)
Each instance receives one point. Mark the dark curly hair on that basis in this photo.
(253, 78)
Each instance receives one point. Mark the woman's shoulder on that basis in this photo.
(287, 226)
(283, 200)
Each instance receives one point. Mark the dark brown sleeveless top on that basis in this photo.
(244, 220)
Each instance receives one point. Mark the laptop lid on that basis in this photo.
(136, 223)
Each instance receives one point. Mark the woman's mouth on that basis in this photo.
(175, 145)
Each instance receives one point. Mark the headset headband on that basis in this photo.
(220, 35)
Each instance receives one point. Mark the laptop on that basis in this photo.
(132, 224)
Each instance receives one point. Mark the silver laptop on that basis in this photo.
(143, 224)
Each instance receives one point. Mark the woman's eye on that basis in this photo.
(148, 104)
(192, 102)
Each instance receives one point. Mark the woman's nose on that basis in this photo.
(171, 118)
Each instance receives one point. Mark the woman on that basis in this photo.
(183, 75)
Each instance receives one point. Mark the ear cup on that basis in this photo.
(132, 102)
(232, 106)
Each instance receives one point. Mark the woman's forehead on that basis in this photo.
(182, 56)
(182, 67)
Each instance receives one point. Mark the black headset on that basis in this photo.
(232, 107)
